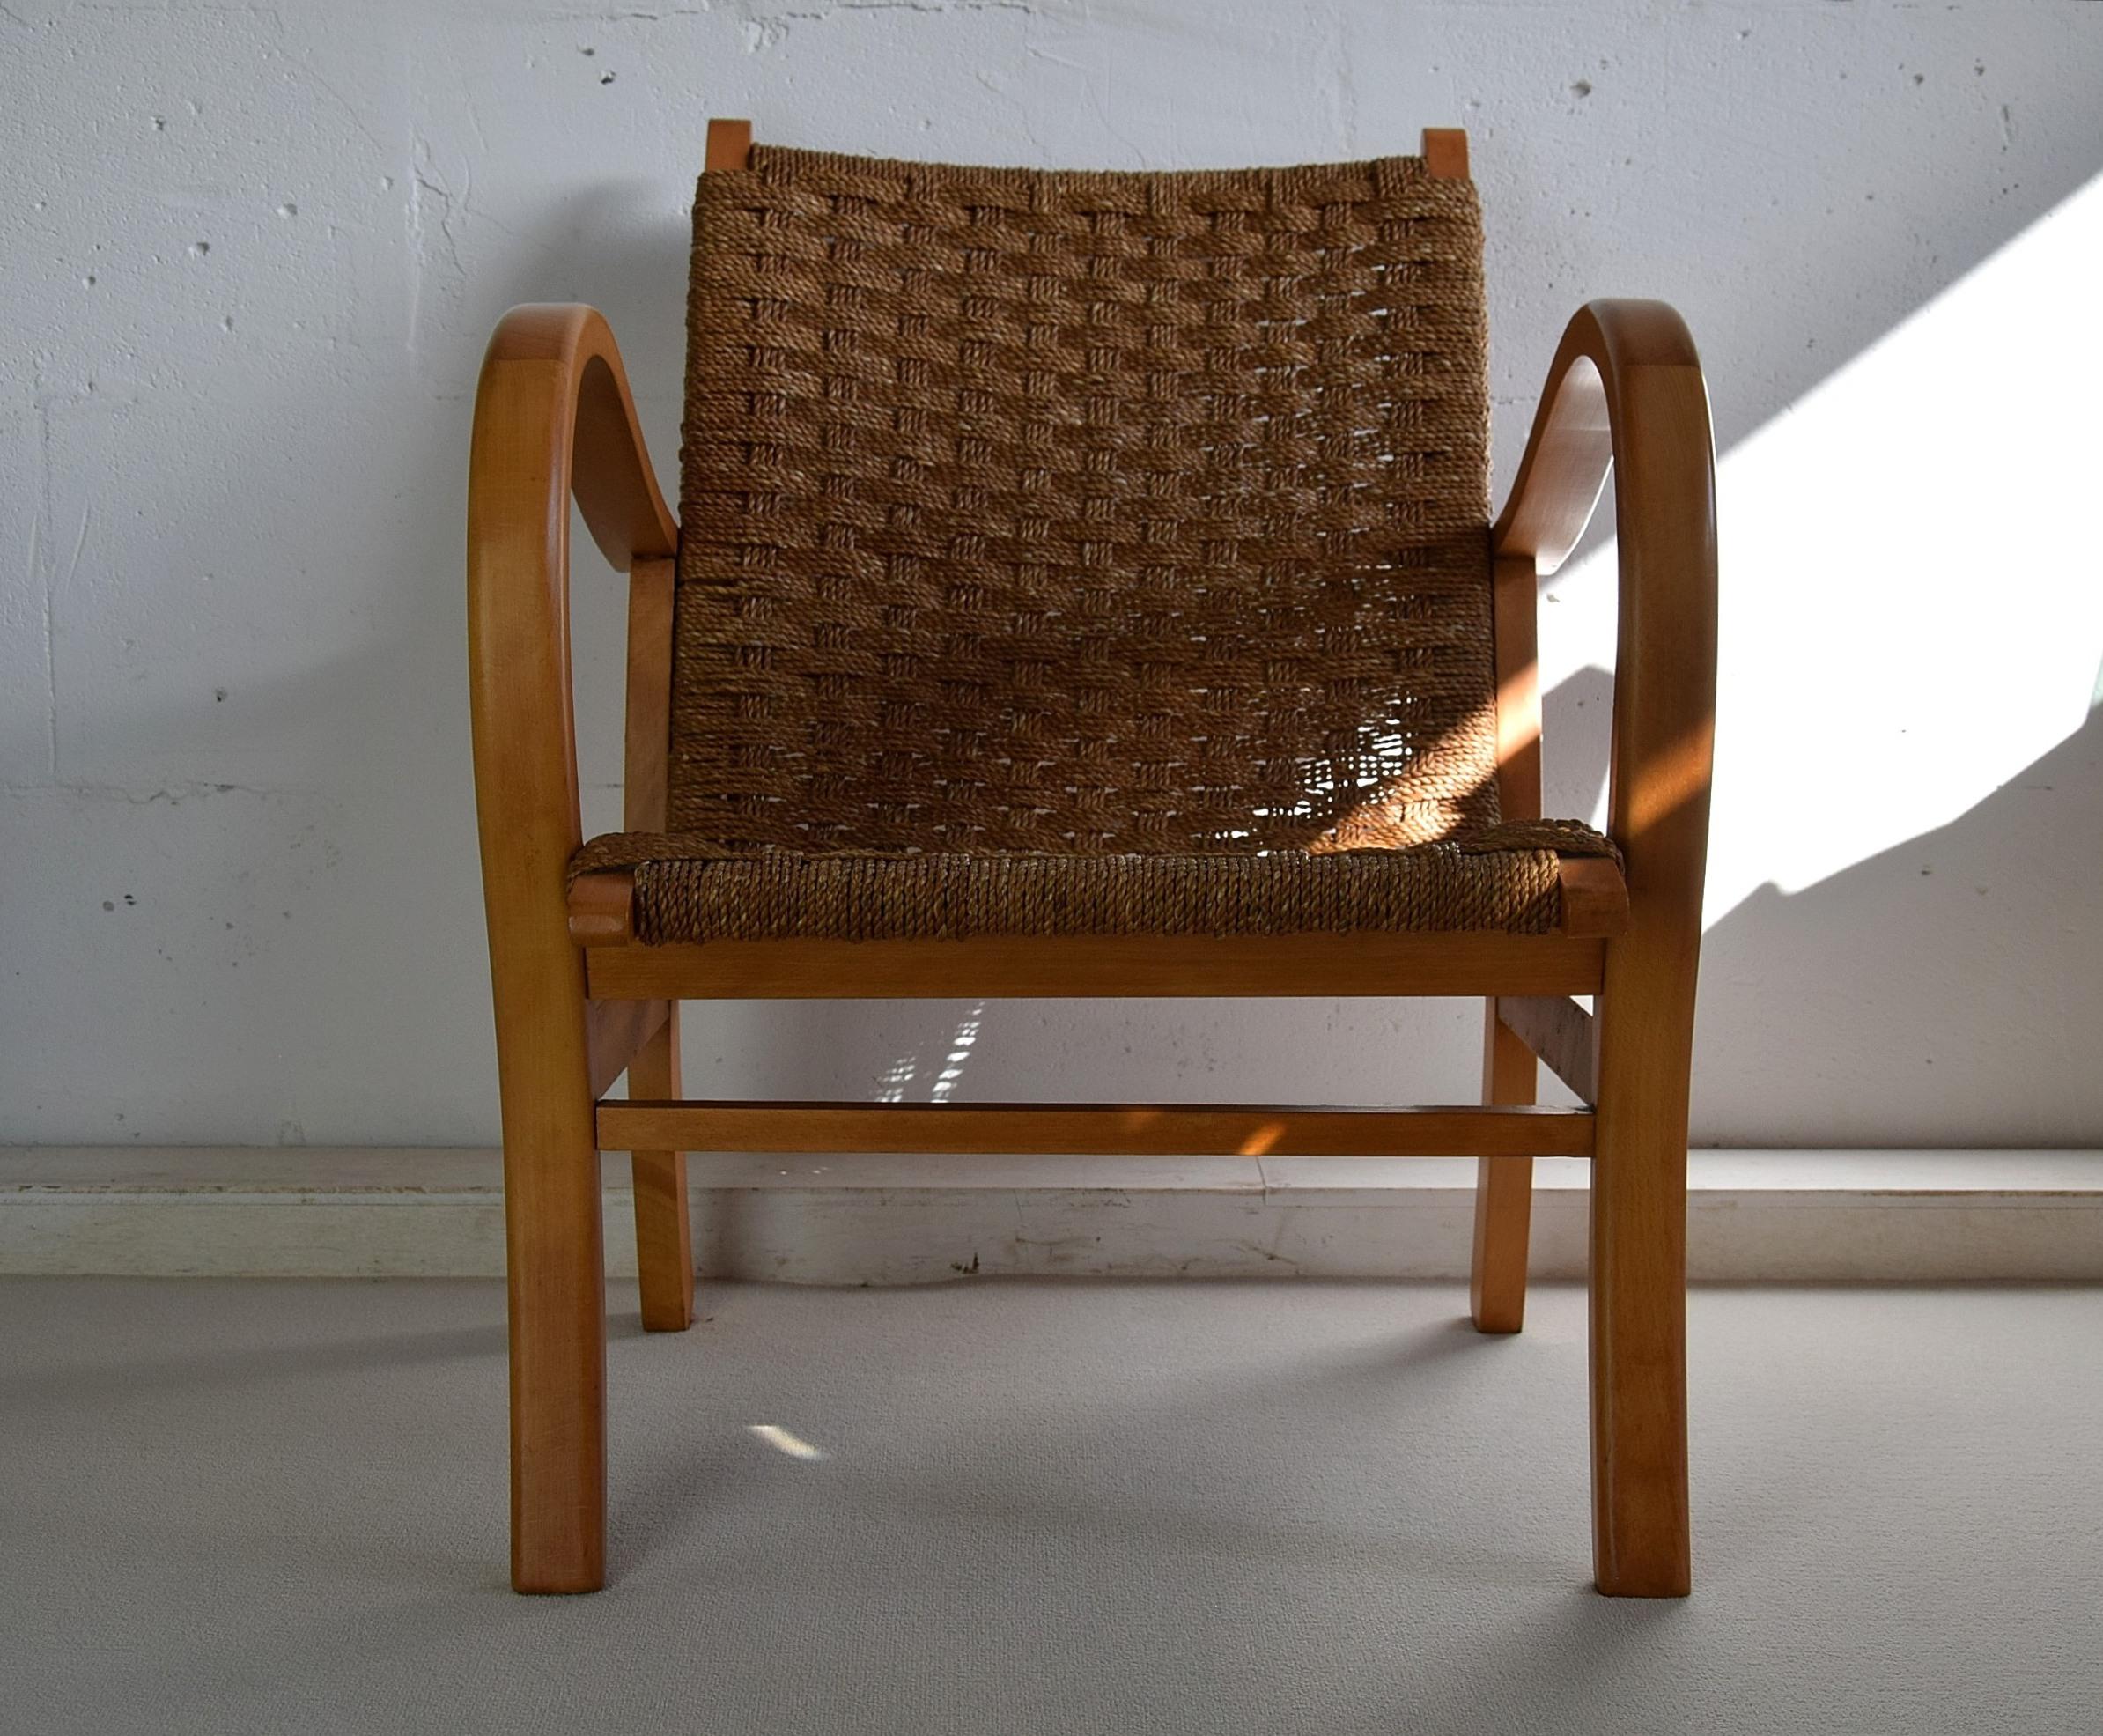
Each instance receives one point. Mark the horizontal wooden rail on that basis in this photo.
(1181, 1130)
(1560, 1032)
(1038, 966)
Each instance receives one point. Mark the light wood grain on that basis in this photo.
(730, 146)
(553, 419)
(1557, 1030)
(646, 761)
(1036, 966)
(1625, 391)
(663, 1221)
(1504, 1185)
(664, 1244)
(1574, 441)
(664, 1234)
(1503, 1191)
(1595, 896)
(1185, 1130)
(1445, 152)
(615, 1033)
(1514, 609)
(1664, 693)
(602, 908)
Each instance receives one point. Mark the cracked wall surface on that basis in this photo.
(250, 256)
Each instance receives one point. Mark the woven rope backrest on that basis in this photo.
(1084, 513)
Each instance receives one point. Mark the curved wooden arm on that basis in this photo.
(567, 407)
(1625, 394)
(553, 417)
(1579, 432)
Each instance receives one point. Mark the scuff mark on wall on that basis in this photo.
(765, 26)
(56, 589)
(174, 794)
(42, 582)
(432, 212)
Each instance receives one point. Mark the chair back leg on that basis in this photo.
(1504, 1189)
(664, 1235)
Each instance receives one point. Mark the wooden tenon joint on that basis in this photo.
(730, 146)
(1446, 152)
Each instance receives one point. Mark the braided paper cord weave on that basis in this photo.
(1082, 553)
(843, 894)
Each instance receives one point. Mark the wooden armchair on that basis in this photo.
(1086, 586)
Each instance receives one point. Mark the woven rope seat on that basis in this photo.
(1084, 554)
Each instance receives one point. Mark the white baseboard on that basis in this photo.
(1753, 1217)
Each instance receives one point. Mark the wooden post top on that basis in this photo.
(1446, 152)
(729, 146)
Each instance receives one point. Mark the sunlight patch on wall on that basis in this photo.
(1912, 607)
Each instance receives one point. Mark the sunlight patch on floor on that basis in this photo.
(779, 1438)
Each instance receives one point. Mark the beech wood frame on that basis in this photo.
(579, 1002)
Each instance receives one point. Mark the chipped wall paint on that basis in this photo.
(250, 256)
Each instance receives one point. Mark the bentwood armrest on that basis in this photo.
(1625, 394)
(553, 407)
(553, 417)
(1584, 424)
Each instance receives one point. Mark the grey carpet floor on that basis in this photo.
(1058, 1507)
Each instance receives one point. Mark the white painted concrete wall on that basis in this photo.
(250, 256)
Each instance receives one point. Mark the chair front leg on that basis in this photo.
(558, 1299)
(1641, 1545)
(1625, 386)
(551, 386)
(1503, 1190)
